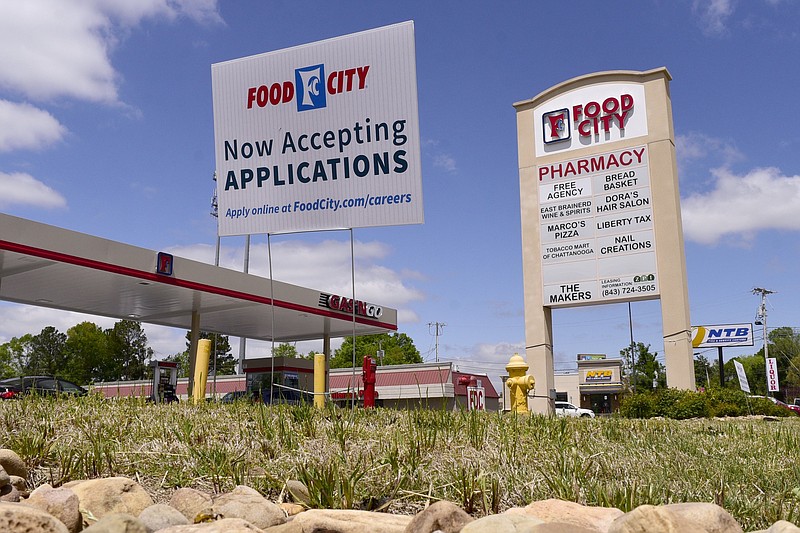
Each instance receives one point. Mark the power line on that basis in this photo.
(439, 328)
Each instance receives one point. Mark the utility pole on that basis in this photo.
(761, 319)
(633, 347)
(439, 328)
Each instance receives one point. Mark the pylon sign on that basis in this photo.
(600, 208)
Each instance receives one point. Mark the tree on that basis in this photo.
(398, 349)
(645, 368)
(17, 353)
(755, 369)
(285, 349)
(702, 372)
(87, 353)
(182, 358)
(220, 348)
(129, 353)
(785, 348)
(47, 354)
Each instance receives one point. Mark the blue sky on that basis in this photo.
(106, 128)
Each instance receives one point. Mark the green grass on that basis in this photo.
(401, 460)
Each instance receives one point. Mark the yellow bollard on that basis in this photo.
(319, 380)
(201, 370)
(519, 384)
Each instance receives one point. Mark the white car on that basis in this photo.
(567, 409)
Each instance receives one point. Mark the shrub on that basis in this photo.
(664, 401)
(637, 406)
(690, 405)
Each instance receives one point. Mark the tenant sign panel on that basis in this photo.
(722, 335)
(596, 224)
(320, 136)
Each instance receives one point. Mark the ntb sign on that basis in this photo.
(722, 335)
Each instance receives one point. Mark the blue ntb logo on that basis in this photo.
(310, 83)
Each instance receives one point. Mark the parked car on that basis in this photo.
(567, 409)
(44, 385)
(8, 392)
(793, 408)
(235, 396)
(289, 396)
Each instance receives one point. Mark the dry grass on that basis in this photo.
(400, 460)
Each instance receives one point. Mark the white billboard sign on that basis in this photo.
(596, 226)
(743, 384)
(772, 375)
(722, 335)
(320, 136)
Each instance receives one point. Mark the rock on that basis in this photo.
(25, 519)
(553, 510)
(226, 525)
(191, 502)
(291, 509)
(782, 526)
(652, 519)
(443, 516)
(160, 516)
(19, 483)
(706, 517)
(9, 493)
(511, 523)
(559, 527)
(342, 521)
(117, 523)
(299, 492)
(244, 489)
(61, 503)
(12, 463)
(5, 479)
(99, 497)
(250, 506)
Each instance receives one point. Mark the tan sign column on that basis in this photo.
(601, 210)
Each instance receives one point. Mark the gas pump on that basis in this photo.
(165, 381)
(368, 371)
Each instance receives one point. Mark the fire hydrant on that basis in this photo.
(519, 384)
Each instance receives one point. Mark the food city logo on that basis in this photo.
(598, 375)
(310, 88)
(588, 119)
(345, 305)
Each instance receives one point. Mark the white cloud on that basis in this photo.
(23, 189)
(19, 320)
(445, 162)
(714, 15)
(33, 128)
(699, 147)
(298, 262)
(740, 206)
(61, 48)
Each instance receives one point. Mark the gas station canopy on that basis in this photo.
(52, 267)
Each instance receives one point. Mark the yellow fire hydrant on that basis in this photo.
(519, 384)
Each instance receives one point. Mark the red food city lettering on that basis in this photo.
(594, 118)
(339, 81)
